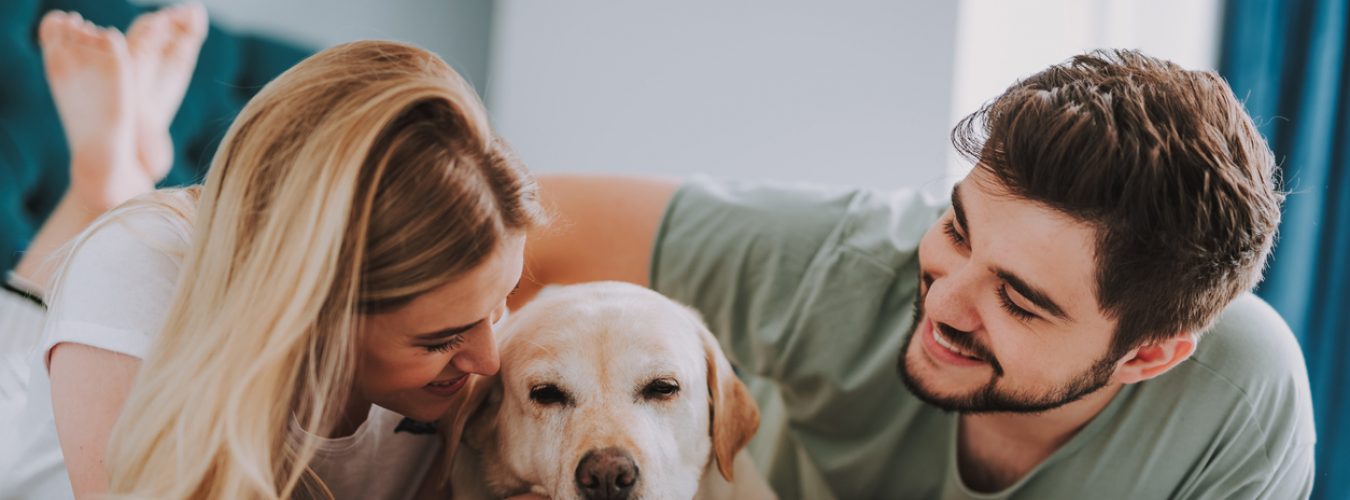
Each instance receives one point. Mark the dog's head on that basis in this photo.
(607, 390)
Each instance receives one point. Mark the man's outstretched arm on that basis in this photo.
(602, 227)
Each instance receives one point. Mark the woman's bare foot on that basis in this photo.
(164, 46)
(90, 74)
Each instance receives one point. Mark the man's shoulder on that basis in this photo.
(1247, 375)
(1252, 347)
(1235, 420)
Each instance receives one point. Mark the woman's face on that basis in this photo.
(416, 358)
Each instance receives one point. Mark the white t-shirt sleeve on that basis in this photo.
(115, 292)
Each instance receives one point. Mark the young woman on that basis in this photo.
(265, 336)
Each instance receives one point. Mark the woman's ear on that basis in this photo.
(1151, 360)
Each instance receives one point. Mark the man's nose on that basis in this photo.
(951, 300)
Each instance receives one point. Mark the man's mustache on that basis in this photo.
(963, 340)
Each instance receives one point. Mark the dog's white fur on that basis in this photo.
(601, 344)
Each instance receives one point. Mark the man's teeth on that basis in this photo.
(942, 341)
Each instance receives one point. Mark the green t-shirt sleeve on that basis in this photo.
(1248, 470)
(810, 291)
(811, 287)
(1292, 477)
(740, 254)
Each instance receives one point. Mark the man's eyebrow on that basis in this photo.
(448, 332)
(1035, 295)
(960, 211)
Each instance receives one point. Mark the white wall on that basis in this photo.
(855, 92)
(848, 91)
(999, 41)
(457, 30)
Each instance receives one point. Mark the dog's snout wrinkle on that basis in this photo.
(607, 474)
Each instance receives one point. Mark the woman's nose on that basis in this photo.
(480, 354)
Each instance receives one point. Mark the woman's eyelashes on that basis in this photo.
(450, 344)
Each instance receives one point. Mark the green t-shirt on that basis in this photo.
(810, 291)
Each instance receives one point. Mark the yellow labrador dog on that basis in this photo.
(606, 391)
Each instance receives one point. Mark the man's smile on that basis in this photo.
(943, 351)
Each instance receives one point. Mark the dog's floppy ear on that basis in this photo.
(735, 418)
(463, 411)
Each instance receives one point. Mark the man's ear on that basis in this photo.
(1150, 360)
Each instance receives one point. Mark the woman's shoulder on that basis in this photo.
(155, 228)
(120, 274)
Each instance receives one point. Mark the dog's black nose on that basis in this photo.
(607, 474)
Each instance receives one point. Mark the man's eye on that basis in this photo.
(1012, 307)
(949, 227)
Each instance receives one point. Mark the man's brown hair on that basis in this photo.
(1163, 162)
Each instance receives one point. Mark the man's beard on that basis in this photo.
(989, 398)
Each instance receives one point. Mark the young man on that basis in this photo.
(1075, 323)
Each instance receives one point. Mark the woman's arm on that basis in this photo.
(89, 387)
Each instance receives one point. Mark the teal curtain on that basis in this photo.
(1288, 61)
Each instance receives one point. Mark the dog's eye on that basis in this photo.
(548, 394)
(660, 389)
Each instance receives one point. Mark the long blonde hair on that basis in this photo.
(359, 179)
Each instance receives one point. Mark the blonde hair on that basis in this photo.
(359, 179)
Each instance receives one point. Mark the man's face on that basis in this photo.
(1007, 316)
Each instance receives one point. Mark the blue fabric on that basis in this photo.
(34, 159)
(1288, 59)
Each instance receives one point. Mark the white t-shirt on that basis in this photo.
(114, 296)
(20, 324)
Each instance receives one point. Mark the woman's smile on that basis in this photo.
(447, 388)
